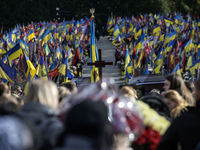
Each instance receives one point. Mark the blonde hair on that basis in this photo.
(44, 92)
(63, 92)
(129, 91)
(174, 96)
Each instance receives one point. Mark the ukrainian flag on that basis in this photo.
(37, 28)
(42, 70)
(167, 20)
(128, 64)
(139, 60)
(195, 65)
(41, 33)
(127, 76)
(29, 68)
(7, 72)
(63, 67)
(138, 32)
(156, 30)
(189, 46)
(116, 31)
(24, 46)
(69, 75)
(31, 35)
(58, 53)
(169, 47)
(2, 51)
(15, 52)
(93, 54)
(190, 62)
(138, 44)
(177, 69)
(158, 60)
(157, 69)
(170, 37)
(46, 36)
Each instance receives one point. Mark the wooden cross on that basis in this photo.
(100, 64)
(78, 69)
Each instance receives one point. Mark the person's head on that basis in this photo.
(4, 89)
(9, 103)
(197, 90)
(155, 91)
(71, 86)
(174, 100)
(16, 89)
(175, 82)
(44, 92)
(63, 92)
(128, 90)
(89, 118)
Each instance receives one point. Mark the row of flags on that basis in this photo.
(166, 43)
(44, 50)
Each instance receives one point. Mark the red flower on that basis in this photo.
(149, 137)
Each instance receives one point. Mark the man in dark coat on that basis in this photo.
(184, 129)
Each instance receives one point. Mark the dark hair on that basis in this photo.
(197, 84)
(3, 89)
(90, 119)
(190, 85)
(177, 83)
(69, 85)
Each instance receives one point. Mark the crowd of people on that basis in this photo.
(100, 116)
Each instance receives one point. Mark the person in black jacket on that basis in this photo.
(87, 127)
(40, 108)
(184, 129)
(156, 102)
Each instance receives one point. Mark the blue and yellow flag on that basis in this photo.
(63, 67)
(2, 51)
(31, 35)
(177, 69)
(46, 36)
(69, 75)
(170, 37)
(127, 76)
(42, 70)
(7, 72)
(156, 30)
(28, 66)
(93, 54)
(128, 64)
(14, 53)
(156, 69)
(116, 31)
(195, 65)
(189, 46)
(24, 46)
(169, 47)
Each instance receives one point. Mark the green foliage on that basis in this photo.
(13, 12)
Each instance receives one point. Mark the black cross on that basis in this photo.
(100, 64)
